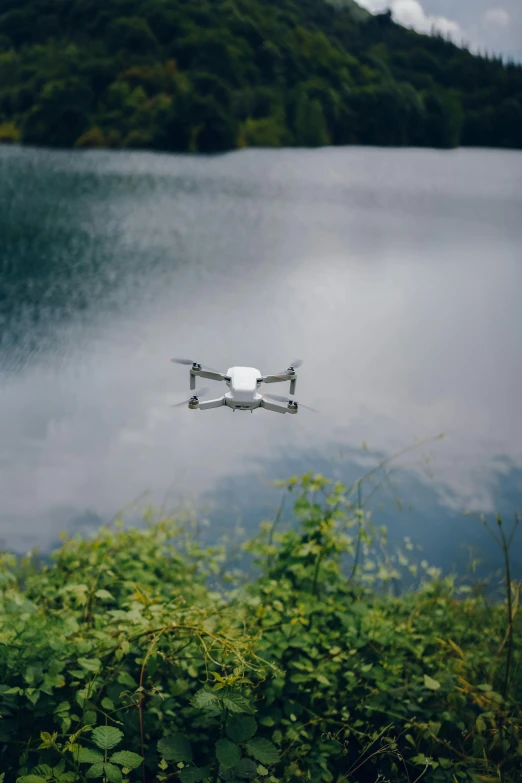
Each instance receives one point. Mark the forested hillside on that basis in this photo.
(220, 74)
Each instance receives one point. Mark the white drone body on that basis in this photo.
(243, 388)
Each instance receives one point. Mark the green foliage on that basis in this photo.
(94, 137)
(9, 133)
(309, 122)
(264, 132)
(175, 748)
(106, 737)
(119, 663)
(227, 753)
(212, 76)
(241, 727)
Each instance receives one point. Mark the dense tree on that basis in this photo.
(211, 76)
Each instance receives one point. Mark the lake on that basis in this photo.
(396, 275)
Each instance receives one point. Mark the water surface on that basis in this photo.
(395, 274)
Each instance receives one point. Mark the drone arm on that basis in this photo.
(278, 378)
(273, 406)
(213, 376)
(217, 403)
(292, 377)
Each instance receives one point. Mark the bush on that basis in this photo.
(9, 133)
(137, 139)
(264, 132)
(119, 660)
(92, 138)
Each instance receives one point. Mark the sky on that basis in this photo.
(494, 25)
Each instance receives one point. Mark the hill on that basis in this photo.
(211, 76)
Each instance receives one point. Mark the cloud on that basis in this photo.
(410, 13)
(496, 17)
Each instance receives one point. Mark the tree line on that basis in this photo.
(221, 74)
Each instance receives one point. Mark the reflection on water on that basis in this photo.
(401, 495)
(395, 274)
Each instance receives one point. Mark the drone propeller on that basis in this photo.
(191, 362)
(292, 366)
(279, 398)
(198, 393)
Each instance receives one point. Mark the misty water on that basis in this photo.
(396, 275)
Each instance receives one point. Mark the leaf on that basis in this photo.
(107, 737)
(44, 770)
(175, 748)
(104, 594)
(241, 727)
(124, 678)
(480, 724)
(263, 750)
(421, 759)
(88, 755)
(261, 770)
(96, 771)
(91, 664)
(47, 739)
(430, 683)
(90, 718)
(455, 647)
(226, 775)
(236, 703)
(126, 758)
(322, 679)
(204, 699)
(107, 703)
(246, 768)
(228, 753)
(112, 773)
(194, 774)
(30, 779)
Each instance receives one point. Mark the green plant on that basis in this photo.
(311, 669)
(9, 133)
(73, 754)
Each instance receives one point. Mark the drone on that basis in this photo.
(243, 384)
